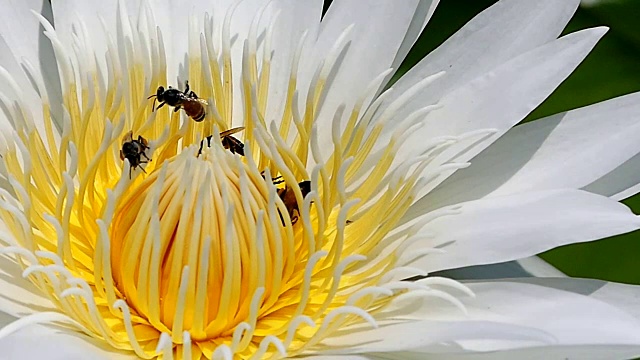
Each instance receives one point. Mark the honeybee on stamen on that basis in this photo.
(134, 150)
(187, 100)
(288, 197)
(228, 142)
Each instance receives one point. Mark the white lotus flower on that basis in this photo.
(201, 257)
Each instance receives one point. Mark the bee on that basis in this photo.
(187, 100)
(288, 197)
(228, 142)
(134, 150)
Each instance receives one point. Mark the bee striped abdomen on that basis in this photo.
(195, 109)
(200, 117)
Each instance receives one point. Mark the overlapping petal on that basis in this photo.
(504, 228)
(574, 149)
(543, 322)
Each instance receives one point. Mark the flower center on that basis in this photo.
(194, 242)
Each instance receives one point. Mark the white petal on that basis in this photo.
(36, 342)
(623, 296)
(574, 323)
(580, 147)
(568, 150)
(423, 14)
(380, 31)
(296, 17)
(9, 62)
(573, 319)
(593, 327)
(19, 296)
(399, 335)
(555, 352)
(496, 101)
(23, 34)
(505, 270)
(537, 267)
(532, 266)
(85, 16)
(20, 27)
(620, 183)
(174, 21)
(498, 34)
(578, 323)
(513, 227)
(241, 21)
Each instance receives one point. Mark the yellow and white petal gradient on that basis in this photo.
(195, 255)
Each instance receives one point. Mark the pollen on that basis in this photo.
(196, 253)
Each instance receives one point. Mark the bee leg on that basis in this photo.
(193, 95)
(177, 108)
(202, 144)
(200, 149)
(159, 106)
(145, 156)
(281, 218)
(186, 87)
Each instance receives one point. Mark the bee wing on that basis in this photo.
(231, 131)
(143, 141)
(128, 137)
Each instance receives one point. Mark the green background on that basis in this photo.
(612, 69)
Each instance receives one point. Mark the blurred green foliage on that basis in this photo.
(612, 69)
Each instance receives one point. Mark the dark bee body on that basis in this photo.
(288, 197)
(187, 100)
(228, 142)
(134, 150)
(234, 145)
